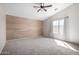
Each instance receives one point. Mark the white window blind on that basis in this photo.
(61, 27)
(58, 27)
(55, 26)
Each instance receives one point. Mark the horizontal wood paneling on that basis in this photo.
(18, 27)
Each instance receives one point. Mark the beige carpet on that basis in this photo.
(39, 46)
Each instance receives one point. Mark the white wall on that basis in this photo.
(2, 29)
(72, 24)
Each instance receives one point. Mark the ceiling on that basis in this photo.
(27, 10)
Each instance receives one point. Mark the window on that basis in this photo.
(55, 26)
(58, 27)
(61, 27)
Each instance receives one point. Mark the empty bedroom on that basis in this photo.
(39, 28)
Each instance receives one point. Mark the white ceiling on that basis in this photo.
(27, 10)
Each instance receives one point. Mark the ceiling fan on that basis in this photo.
(42, 6)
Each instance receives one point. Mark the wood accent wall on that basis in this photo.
(19, 27)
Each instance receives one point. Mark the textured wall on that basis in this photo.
(18, 27)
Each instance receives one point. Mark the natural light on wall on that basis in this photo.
(64, 44)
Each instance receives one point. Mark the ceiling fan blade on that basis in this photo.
(36, 6)
(45, 10)
(48, 6)
(38, 10)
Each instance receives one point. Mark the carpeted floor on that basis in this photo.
(39, 46)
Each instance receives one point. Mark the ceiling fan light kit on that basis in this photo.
(42, 6)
